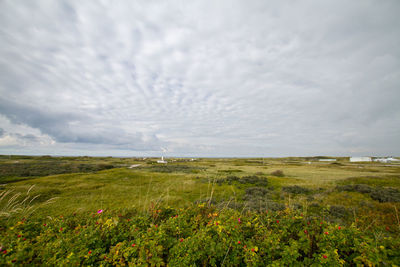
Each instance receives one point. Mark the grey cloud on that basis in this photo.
(228, 78)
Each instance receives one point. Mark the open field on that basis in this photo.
(365, 196)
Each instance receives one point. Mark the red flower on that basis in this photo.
(326, 233)
(216, 223)
(5, 252)
(252, 249)
(305, 231)
(239, 242)
(90, 252)
(44, 224)
(133, 244)
(181, 240)
(61, 229)
(339, 228)
(324, 256)
(24, 239)
(277, 221)
(19, 235)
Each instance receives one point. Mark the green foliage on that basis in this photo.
(195, 236)
(11, 172)
(295, 189)
(246, 180)
(169, 168)
(381, 194)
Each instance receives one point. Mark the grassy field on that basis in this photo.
(362, 194)
(108, 183)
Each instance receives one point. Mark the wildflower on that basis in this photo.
(277, 221)
(252, 249)
(133, 245)
(24, 239)
(238, 220)
(216, 223)
(305, 231)
(99, 211)
(324, 256)
(326, 233)
(90, 252)
(181, 240)
(239, 242)
(5, 252)
(339, 228)
(19, 235)
(44, 224)
(61, 228)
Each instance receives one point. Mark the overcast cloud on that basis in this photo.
(200, 78)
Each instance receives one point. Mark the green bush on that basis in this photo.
(245, 180)
(196, 236)
(386, 194)
(295, 189)
(381, 194)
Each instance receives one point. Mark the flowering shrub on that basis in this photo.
(197, 235)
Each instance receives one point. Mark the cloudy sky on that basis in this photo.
(200, 78)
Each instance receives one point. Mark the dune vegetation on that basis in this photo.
(231, 212)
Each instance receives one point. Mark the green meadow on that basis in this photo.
(365, 196)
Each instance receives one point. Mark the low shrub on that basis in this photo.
(278, 173)
(195, 236)
(381, 194)
(386, 194)
(295, 189)
(361, 188)
(338, 211)
(251, 180)
(173, 168)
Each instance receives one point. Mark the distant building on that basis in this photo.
(360, 159)
(386, 160)
(162, 161)
(327, 159)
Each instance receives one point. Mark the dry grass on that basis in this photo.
(16, 204)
